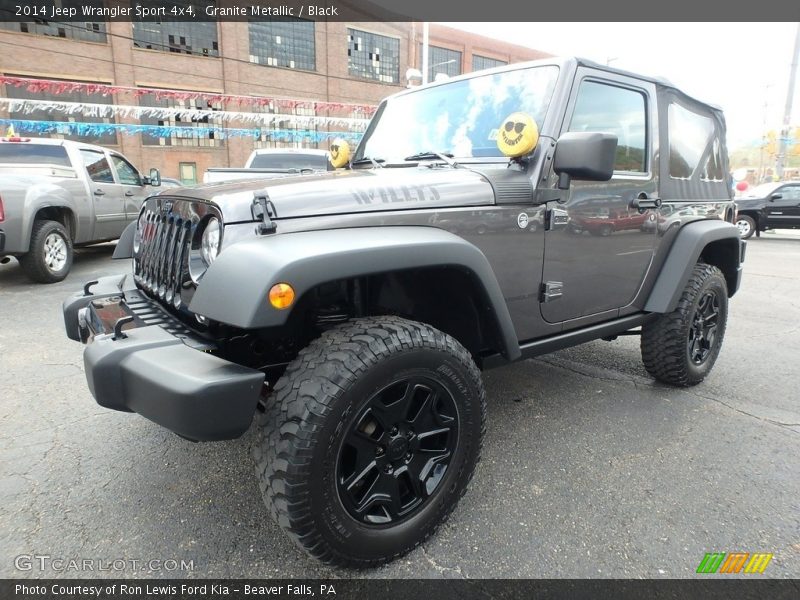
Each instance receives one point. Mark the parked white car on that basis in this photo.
(271, 163)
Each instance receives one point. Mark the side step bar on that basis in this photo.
(573, 338)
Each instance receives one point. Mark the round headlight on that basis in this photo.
(209, 243)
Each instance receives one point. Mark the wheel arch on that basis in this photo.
(755, 214)
(235, 288)
(712, 241)
(59, 213)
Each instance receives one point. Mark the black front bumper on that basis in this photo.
(155, 366)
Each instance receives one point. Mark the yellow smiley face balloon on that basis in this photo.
(339, 154)
(518, 135)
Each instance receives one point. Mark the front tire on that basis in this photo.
(49, 258)
(746, 225)
(681, 347)
(370, 439)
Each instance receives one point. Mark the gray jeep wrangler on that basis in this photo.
(492, 217)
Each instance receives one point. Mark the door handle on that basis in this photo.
(129, 193)
(99, 192)
(644, 202)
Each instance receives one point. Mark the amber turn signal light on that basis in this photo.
(281, 295)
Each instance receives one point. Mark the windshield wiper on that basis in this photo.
(376, 162)
(446, 157)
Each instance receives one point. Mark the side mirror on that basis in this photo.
(584, 155)
(154, 179)
(775, 197)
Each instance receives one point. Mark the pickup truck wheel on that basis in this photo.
(746, 225)
(681, 347)
(49, 258)
(369, 439)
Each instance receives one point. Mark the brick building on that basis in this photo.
(334, 62)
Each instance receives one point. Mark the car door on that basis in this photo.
(132, 186)
(599, 259)
(109, 208)
(783, 207)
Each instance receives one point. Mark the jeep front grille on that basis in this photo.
(167, 230)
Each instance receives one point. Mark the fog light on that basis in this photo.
(281, 295)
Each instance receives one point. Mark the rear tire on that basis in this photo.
(345, 455)
(681, 347)
(49, 258)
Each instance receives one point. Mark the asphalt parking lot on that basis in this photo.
(589, 469)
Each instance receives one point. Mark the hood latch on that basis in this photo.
(264, 210)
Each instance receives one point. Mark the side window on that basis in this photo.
(691, 138)
(126, 174)
(617, 110)
(790, 192)
(97, 166)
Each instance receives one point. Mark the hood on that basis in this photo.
(749, 201)
(342, 192)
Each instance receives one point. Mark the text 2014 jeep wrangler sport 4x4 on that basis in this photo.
(334, 308)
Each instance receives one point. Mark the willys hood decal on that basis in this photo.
(352, 191)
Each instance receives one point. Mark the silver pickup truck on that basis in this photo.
(57, 194)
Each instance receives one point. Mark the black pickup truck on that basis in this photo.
(769, 206)
(338, 309)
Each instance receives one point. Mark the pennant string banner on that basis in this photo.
(27, 107)
(165, 131)
(53, 86)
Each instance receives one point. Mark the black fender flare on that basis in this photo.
(684, 253)
(235, 287)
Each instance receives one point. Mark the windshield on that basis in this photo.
(289, 161)
(459, 118)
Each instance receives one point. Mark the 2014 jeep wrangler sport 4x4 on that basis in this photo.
(352, 312)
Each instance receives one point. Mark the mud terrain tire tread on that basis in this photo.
(301, 402)
(663, 342)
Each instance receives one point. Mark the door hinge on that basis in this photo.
(551, 290)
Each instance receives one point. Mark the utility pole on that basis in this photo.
(425, 35)
(761, 173)
(787, 114)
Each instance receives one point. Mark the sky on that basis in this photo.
(742, 67)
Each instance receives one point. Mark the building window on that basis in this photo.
(19, 93)
(373, 56)
(479, 63)
(286, 133)
(85, 31)
(441, 60)
(203, 139)
(182, 37)
(283, 43)
(188, 173)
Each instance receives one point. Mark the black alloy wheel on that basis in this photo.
(397, 450)
(703, 331)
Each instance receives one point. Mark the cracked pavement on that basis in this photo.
(590, 469)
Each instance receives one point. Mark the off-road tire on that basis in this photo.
(751, 222)
(299, 434)
(664, 342)
(34, 263)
